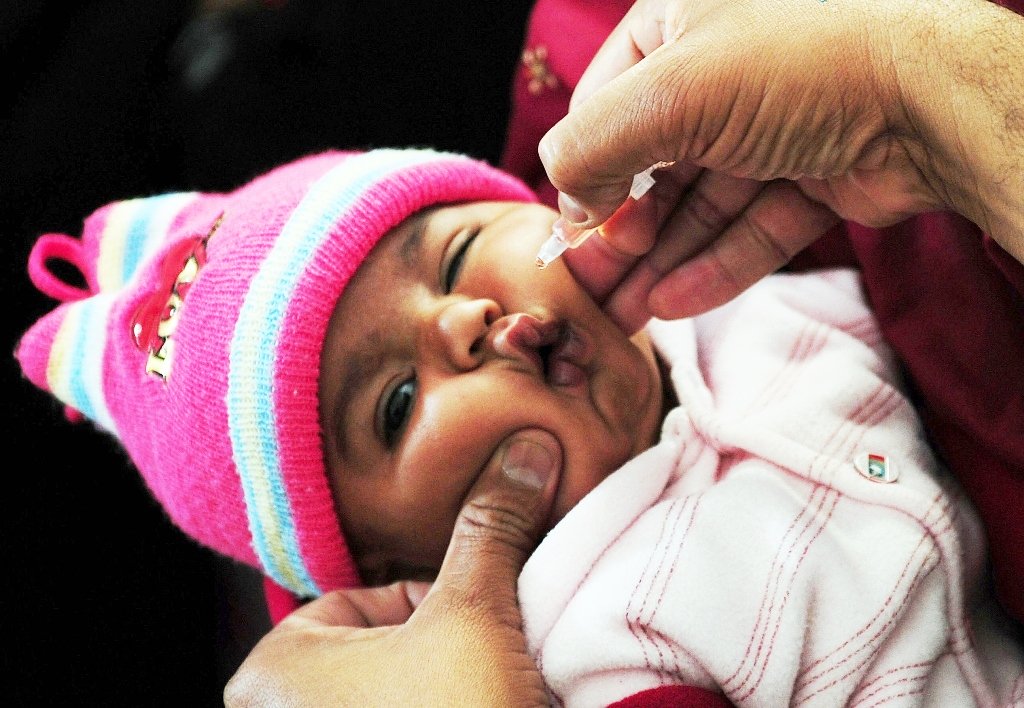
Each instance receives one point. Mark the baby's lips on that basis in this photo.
(519, 334)
(564, 372)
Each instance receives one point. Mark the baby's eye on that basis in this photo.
(395, 409)
(455, 264)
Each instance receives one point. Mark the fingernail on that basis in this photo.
(571, 209)
(528, 463)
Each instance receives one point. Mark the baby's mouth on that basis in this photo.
(555, 349)
(561, 358)
(545, 358)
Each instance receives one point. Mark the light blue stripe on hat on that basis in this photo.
(148, 229)
(251, 416)
(77, 377)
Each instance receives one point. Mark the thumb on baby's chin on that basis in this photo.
(502, 520)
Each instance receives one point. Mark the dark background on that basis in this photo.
(104, 601)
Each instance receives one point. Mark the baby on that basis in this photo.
(311, 371)
(261, 406)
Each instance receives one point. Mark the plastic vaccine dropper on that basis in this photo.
(560, 239)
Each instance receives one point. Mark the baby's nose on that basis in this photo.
(462, 328)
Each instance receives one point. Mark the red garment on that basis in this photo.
(673, 696)
(280, 601)
(950, 300)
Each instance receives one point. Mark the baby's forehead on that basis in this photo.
(407, 257)
(412, 250)
(409, 240)
(411, 233)
(391, 265)
(452, 214)
(405, 242)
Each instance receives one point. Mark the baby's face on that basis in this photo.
(447, 340)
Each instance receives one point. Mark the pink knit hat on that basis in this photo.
(198, 341)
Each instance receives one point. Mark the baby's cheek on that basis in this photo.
(586, 466)
(623, 393)
(462, 425)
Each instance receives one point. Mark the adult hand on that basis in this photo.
(781, 118)
(457, 642)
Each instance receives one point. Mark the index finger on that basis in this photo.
(778, 224)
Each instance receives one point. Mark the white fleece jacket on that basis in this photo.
(746, 552)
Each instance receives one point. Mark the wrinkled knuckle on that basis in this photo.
(727, 272)
(705, 213)
(670, 136)
(497, 522)
(679, 92)
(766, 241)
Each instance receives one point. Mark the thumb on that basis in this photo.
(628, 124)
(499, 525)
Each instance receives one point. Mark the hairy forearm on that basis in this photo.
(961, 67)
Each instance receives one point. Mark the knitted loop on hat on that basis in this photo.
(227, 436)
(55, 247)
